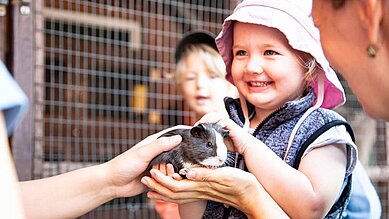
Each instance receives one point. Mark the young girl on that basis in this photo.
(304, 154)
(200, 78)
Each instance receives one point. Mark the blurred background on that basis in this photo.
(98, 77)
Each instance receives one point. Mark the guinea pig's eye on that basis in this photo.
(209, 144)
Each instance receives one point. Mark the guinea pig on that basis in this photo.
(202, 145)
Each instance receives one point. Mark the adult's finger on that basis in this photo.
(175, 127)
(149, 139)
(158, 146)
(171, 183)
(208, 174)
(165, 194)
(171, 173)
(155, 195)
(153, 185)
(162, 168)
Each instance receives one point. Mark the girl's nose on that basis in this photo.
(254, 65)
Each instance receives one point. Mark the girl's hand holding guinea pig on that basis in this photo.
(240, 138)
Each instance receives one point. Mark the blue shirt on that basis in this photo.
(364, 202)
(13, 101)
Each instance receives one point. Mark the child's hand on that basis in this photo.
(240, 138)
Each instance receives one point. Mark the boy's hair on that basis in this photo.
(209, 56)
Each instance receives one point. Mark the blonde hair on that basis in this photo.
(311, 66)
(209, 56)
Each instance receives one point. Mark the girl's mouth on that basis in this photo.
(259, 83)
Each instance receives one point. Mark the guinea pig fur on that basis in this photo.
(202, 145)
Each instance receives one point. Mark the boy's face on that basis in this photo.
(202, 91)
(265, 69)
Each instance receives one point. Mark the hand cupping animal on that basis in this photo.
(202, 145)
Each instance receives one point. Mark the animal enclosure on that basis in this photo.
(102, 81)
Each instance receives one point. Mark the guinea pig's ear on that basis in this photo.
(225, 133)
(197, 130)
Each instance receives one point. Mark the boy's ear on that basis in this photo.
(371, 14)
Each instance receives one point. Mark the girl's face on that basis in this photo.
(202, 91)
(265, 69)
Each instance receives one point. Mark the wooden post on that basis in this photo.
(23, 70)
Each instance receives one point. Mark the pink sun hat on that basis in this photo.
(293, 19)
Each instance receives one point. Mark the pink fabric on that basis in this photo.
(293, 19)
(167, 210)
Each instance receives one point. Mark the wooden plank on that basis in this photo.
(3, 35)
(23, 71)
(39, 91)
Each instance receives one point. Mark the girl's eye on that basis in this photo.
(270, 52)
(210, 145)
(240, 53)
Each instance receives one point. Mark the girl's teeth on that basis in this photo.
(259, 84)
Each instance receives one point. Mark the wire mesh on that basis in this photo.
(106, 84)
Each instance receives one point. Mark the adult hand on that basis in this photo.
(226, 185)
(88, 188)
(125, 170)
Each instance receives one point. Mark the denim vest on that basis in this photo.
(275, 131)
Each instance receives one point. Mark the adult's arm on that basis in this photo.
(10, 199)
(75, 193)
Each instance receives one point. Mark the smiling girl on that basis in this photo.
(304, 154)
